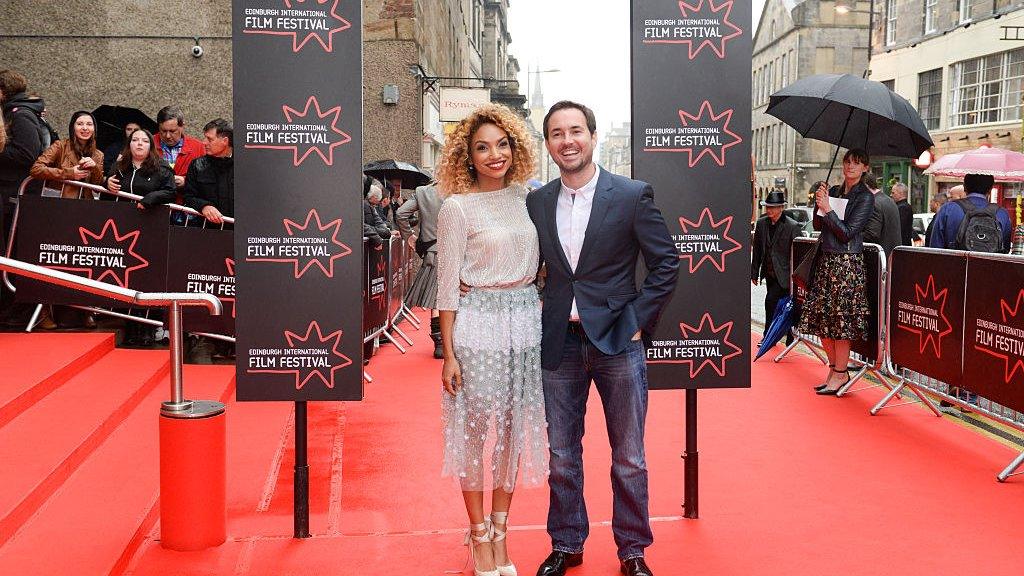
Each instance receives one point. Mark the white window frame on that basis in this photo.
(1007, 108)
(964, 10)
(890, 22)
(930, 16)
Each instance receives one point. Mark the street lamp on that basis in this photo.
(847, 7)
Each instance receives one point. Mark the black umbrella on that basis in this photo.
(111, 120)
(851, 112)
(411, 175)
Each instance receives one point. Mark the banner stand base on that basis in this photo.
(904, 383)
(394, 328)
(405, 312)
(391, 339)
(796, 341)
(1011, 469)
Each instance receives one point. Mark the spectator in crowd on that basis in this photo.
(957, 192)
(210, 181)
(25, 138)
(884, 227)
(899, 195)
(73, 159)
(380, 203)
(177, 148)
(947, 220)
(773, 239)
(938, 200)
(371, 217)
(112, 153)
(140, 170)
(836, 308)
(425, 203)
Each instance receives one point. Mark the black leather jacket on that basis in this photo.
(847, 235)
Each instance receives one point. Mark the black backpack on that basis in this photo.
(979, 231)
(47, 135)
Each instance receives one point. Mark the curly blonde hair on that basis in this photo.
(453, 174)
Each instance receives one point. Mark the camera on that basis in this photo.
(197, 51)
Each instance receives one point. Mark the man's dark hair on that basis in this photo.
(566, 104)
(11, 83)
(223, 127)
(978, 183)
(870, 180)
(170, 113)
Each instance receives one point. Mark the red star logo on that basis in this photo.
(308, 340)
(938, 299)
(229, 263)
(1008, 313)
(705, 9)
(267, 25)
(707, 330)
(291, 114)
(124, 243)
(705, 108)
(312, 226)
(706, 225)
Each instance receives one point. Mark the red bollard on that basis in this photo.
(193, 511)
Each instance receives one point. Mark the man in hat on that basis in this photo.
(773, 238)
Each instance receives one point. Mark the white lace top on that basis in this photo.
(485, 240)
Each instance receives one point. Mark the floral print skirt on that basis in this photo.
(495, 431)
(837, 304)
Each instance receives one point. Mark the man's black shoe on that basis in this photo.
(556, 563)
(635, 567)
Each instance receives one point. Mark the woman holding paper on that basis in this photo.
(836, 308)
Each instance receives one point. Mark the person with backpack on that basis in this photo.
(26, 134)
(972, 223)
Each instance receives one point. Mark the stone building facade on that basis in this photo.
(80, 54)
(796, 39)
(961, 64)
(617, 150)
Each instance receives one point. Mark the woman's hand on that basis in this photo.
(113, 184)
(821, 199)
(87, 163)
(451, 376)
(79, 174)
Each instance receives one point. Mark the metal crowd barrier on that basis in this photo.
(172, 300)
(921, 382)
(117, 196)
(875, 366)
(898, 379)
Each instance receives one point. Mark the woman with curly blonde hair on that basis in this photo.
(493, 402)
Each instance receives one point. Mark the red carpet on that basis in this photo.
(791, 483)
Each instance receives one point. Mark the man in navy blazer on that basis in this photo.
(592, 227)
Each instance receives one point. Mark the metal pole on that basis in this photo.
(690, 478)
(177, 402)
(301, 504)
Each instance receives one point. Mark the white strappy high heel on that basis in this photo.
(472, 540)
(497, 536)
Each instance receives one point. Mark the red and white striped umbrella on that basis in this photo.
(1004, 165)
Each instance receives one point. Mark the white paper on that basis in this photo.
(838, 206)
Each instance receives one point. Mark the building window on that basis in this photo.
(987, 89)
(965, 10)
(783, 140)
(477, 16)
(792, 68)
(785, 71)
(929, 97)
(890, 84)
(890, 22)
(929, 15)
(771, 33)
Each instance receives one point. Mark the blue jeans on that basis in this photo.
(621, 381)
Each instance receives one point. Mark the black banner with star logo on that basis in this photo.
(298, 178)
(203, 260)
(994, 331)
(112, 242)
(691, 143)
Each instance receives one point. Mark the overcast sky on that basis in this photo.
(588, 42)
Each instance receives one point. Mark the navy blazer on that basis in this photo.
(624, 223)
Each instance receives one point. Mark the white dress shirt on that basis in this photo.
(572, 215)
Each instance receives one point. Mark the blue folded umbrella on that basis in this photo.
(781, 324)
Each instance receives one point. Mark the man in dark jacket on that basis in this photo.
(884, 227)
(773, 239)
(899, 195)
(210, 181)
(27, 137)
